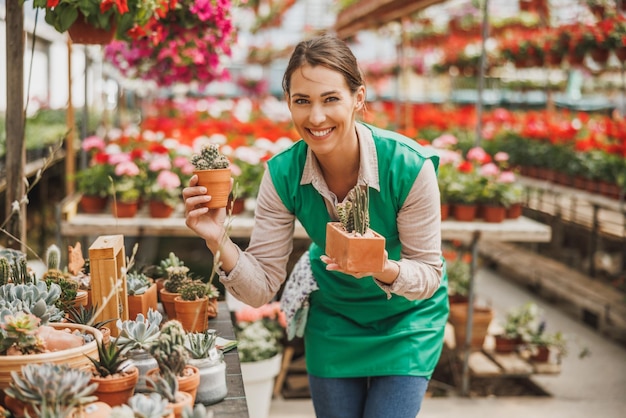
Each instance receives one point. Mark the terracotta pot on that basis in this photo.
(192, 314)
(82, 32)
(352, 253)
(506, 345)
(576, 59)
(620, 53)
(183, 400)
(217, 183)
(81, 299)
(464, 213)
(93, 410)
(93, 204)
(125, 210)
(187, 383)
(493, 213)
(542, 355)
(514, 211)
(480, 323)
(167, 300)
(142, 303)
(238, 206)
(159, 209)
(553, 59)
(116, 390)
(75, 357)
(213, 308)
(445, 211)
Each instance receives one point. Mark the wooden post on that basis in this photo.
(107, 260)
(15, 147)
(70, 158)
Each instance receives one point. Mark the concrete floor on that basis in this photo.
(591, 387)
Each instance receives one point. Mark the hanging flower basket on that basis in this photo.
(83, 32)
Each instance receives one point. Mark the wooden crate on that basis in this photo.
(107, 259)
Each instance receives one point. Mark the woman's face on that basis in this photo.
(323, 109)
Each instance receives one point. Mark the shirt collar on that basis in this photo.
(368, 166)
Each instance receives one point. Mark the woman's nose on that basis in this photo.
(317, 115)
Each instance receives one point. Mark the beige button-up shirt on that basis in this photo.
(262, 267)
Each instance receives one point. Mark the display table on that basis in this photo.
(234, 405)
(73, 224)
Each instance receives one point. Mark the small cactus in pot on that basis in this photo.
(351, 242)
(213, 171)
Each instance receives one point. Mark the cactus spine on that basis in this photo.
(209, 158)
(354, 212)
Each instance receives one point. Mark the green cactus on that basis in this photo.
(354, 212)
(165, 384)
(171, 261)
(209, 158)
(169, 348)
(193, 290)
(5, 270)
(53, 257)
(20, 273)
(176, 277)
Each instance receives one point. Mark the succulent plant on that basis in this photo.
(141, 405)
(20, 332)
(171, 261)
(176, 277)
(20, 273)
(35, 298)
(137, 283)
(86, 316)
(209, 158)
(354, 212)
(141, 332)
(69, 287)
(111, 359)
(198, 411)
(53, 390)
(193, 290)
(169, 348)
(165, 384)
(201, 344)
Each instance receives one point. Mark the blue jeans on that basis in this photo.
(368, 397)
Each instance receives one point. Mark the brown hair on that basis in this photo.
(327, 51)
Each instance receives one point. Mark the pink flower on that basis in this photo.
(489, 169)
(507, 177)
(160, 163)
(93, 143)
(168, 180)
(501, 156)
(127, 168)
(445, 141)
(478, 154)
(119, 158)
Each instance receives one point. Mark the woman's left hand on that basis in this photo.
(331, 265)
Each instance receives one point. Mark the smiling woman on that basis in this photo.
(406, 298)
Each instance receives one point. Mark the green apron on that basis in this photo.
(353, 330)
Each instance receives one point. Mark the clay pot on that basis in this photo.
(116, 390)
(160, 209)
(506, 345)
(187, 383)
(464, 213)
(542, 355)
(353, 253)
(125, 210)
(142, 303)
(481, 319)
(192, 314)
(167, 300)
(493, 213)
(93, 204)
(514, 211)
(217, 183)
(445, 211)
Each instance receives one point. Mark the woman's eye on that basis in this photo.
(300, 101)
(332, 99)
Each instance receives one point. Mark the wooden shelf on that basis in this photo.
(369, 14)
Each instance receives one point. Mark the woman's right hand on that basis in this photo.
(207, 223)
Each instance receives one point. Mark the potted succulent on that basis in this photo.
(94, 184)
(150, 405)
(192, 306)
(70, 294)
(351, 242)
(176, 277)
(171, 355)
(86, 315)
(210, 363)
(160, 271)
(514, 327)
(142, 294)
(115, 377)
(137, 336)
(213, 171)
(167, 386)
(51, 390)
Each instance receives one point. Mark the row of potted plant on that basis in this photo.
(153, 163)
